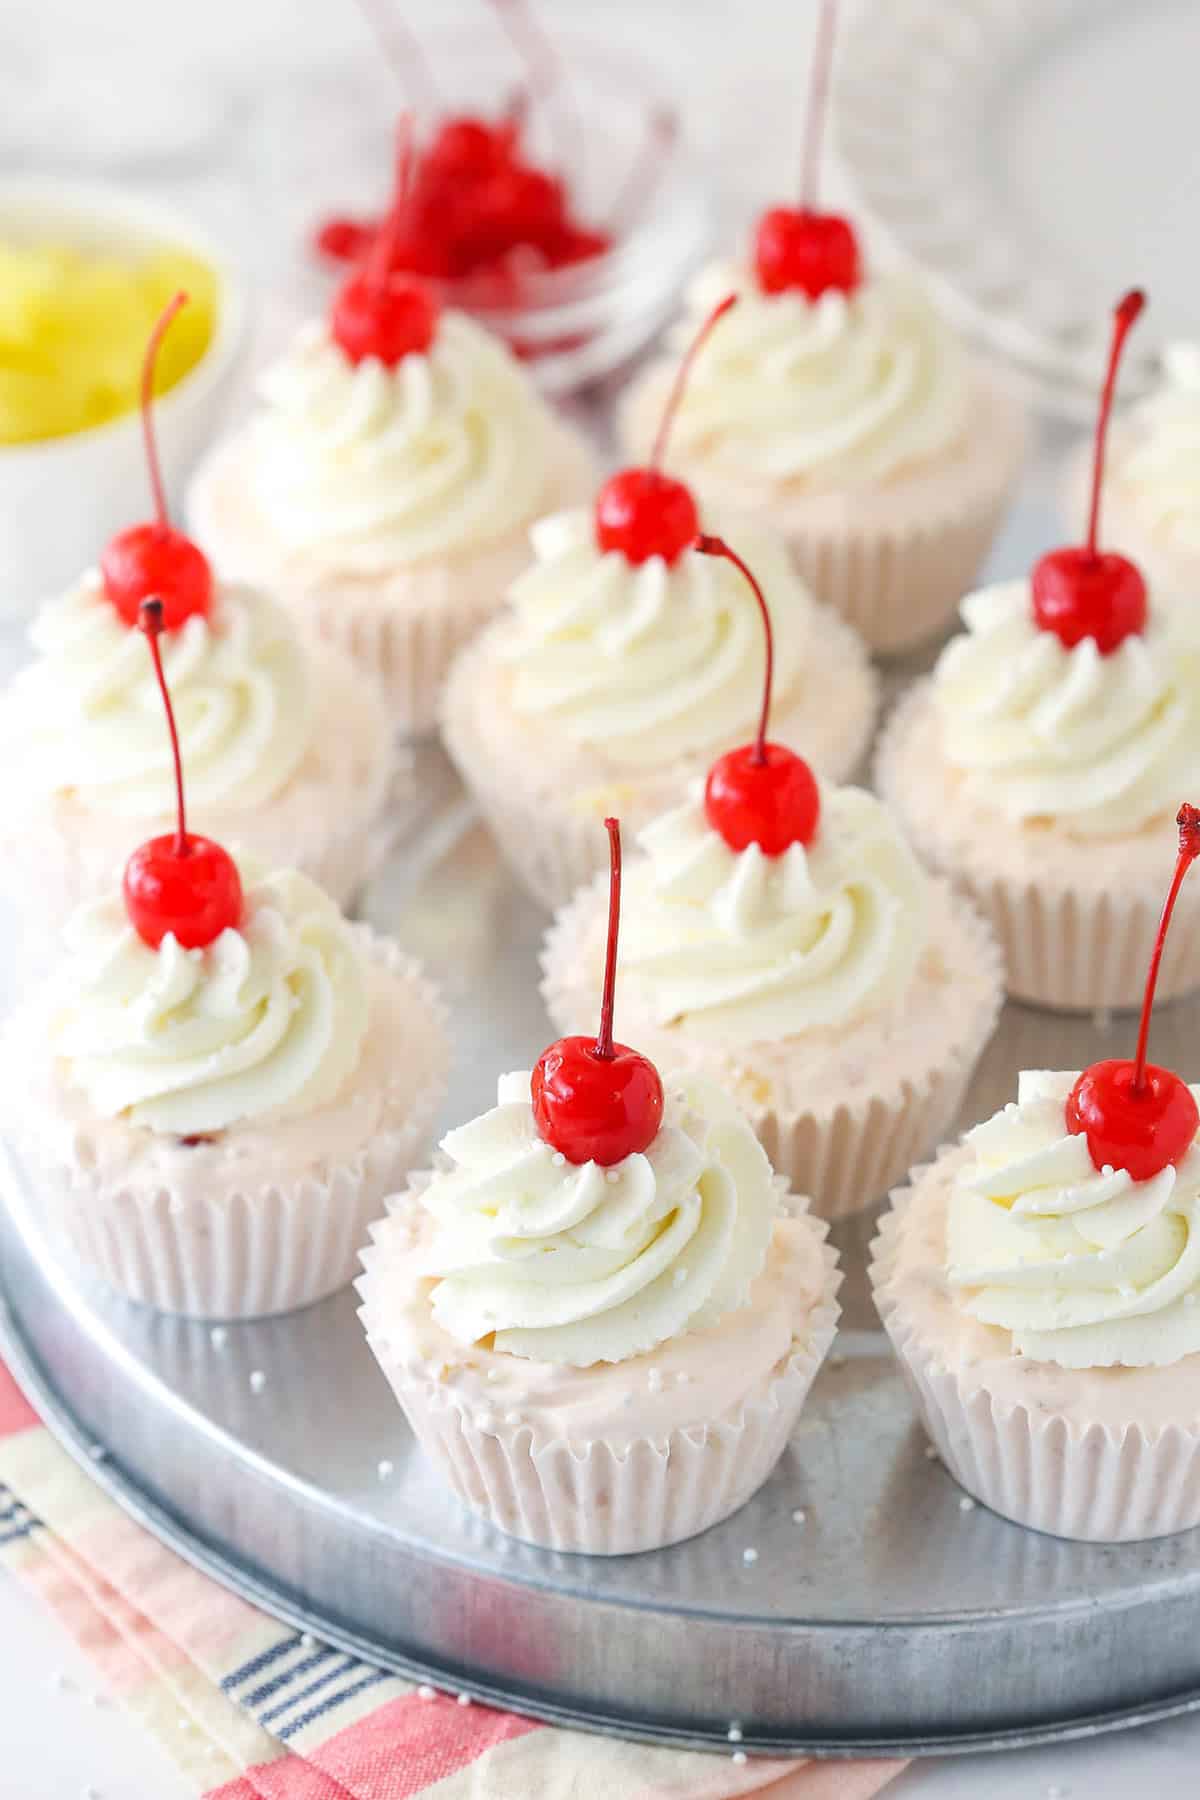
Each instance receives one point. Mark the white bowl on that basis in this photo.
(61, 499)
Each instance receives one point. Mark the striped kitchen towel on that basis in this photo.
(253, 1710)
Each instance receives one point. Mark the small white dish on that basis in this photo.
(62, 498)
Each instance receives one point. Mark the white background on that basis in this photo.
(186, 100)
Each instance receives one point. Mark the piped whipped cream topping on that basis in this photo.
(364, 468)
(843, 390)
(1156, 461)
(266, 1023)
(648, 662)
(738, 947)
(1086, 1268)
(85, 717)
(576, 1264)
(1098, 745)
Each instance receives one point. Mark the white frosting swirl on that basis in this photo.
(579, 1264)
(1085, 1268)
(649, 662)
(845, 389)
(86, 716)
(365, 468)
(740, 948)
(1098, 744)
(266, 1023)
(1156, 461)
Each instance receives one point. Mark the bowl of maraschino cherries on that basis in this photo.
(550, 191)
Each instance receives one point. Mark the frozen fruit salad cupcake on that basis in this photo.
(222, 1082)
(1152, 484)
(1038, 766)
(1041, 1285)
(627, 662)
(782, 938)
(388, 480)
(840, 409)
(600, 1312)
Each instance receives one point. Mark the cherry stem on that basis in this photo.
(715, 546)
(662, 129)
(401, 50)
(149, 364)
(1188, 821)
(150, 618)
(1124, 316)
(681, 379)
(387, 237)
(604, 1037)
(818, 105)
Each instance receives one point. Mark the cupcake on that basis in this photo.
(387, 483)
(222, 1083)
(287, 746)
(601, 1313)
(1040, 763)
(1041, 1285)
(627, 662)
(1152, 482)
(840, 410)
(782, 939)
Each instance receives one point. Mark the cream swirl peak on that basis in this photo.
(1099, 744)
(1086, 1267)
(365, 468)
(88, 717)
(265, 1023)
(1156, 467)
(578, 1264)
(741, 947)
(646, 661)
(849, 388)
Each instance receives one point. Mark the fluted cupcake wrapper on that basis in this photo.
(240, 1252)
(598, 1498)
(1070, 945)
(405, 626)
(1075, 1480)
(844, 1152)
(554, 837)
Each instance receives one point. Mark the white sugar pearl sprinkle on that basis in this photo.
(258, 1381)
(307, 1641)
(218, 1337)
(464, 1699)
(385, 1468)
(799, 1516)
(425, 1692)
(750, 1555)
(738, 1757)
(734, 1734)
(966, 1504)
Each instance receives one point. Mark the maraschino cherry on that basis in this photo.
(797, 247)
(179, 883)
(642, 512)
(1135, 1116)
(763, 793)
(1083, 592)
(155, 558)
(379, 312)
(593, 1100)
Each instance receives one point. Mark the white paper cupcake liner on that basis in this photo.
(1077, 936)
(894, 559)
(845, 1150)
(241, 1249)
(596, 1498)
(1072, 1478)
(551, 830)
(405, 627)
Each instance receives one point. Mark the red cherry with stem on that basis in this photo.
(797, 248)
(379, 312)
(1135, 1116)
(155, 558)
(763, 793)
(594, 1100)
(1085, 592)
(642, 512)
(180, 883)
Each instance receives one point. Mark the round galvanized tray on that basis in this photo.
(854, 1605)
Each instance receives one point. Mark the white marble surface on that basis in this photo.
(191, 105)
